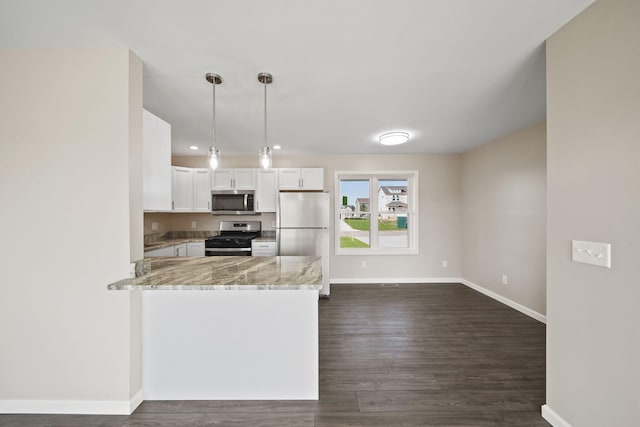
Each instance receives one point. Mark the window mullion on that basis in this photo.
(373, 220)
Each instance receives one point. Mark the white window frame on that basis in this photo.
(412, 213)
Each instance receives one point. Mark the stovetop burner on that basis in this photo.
(235, 234)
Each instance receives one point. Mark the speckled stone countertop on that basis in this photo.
(228, 273)
(170, 238)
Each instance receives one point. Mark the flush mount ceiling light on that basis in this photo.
(193, 147)
(265, 152)
(393, 138)
(214, 153)
(276, 147)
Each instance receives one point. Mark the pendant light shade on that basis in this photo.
(214, 152)
(265, 158)
(214, 158)
(265, 152)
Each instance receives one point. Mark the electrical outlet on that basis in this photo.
(444, 263)
(364, 264)
(154, 226)
(505, 279)
(193, 224)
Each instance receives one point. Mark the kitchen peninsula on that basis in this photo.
(222, 328)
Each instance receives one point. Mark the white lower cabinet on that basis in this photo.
(262, 248)
(168, 251)
(195, 248)
(174, 250)
(180, 250)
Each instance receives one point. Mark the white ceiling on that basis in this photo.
(453, 73)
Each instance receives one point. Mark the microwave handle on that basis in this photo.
(246, 202)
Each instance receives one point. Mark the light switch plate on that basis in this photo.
(591, 253)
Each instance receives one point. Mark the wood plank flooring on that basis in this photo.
(411, 355)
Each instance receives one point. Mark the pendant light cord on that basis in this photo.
(213, 117)
(265, 113)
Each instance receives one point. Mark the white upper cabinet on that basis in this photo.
(233, 179)
(191, 191)
(201, 190)
(267, 191)
(156, 163)
(182, 189)
(301, 179)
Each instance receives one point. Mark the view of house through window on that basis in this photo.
(375, 212)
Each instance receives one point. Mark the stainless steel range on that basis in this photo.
(234, 238)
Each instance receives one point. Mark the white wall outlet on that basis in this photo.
(591, 253)
(154, 226)
(505, 279)
(444, 263)
(364, 264)
(193, 224)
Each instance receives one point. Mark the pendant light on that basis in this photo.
(265, 152)
(214, 153)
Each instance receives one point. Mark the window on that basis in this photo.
(375, 213)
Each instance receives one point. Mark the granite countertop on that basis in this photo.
(228, 273)
(265, 239)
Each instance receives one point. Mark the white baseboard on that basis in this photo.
(87, 407)
(553, 418)
(372, 281)
(506, 301)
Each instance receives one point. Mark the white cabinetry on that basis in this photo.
(180, 250)
(262, 248)
(182, 189)
(168, 251)
(156, 163)
(201, 190)
(195, 248)
(233, 179)
(301, 179)
(191, 191)
(266, 190)
(183, 249)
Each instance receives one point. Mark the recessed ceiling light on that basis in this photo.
(193, 147)
(276, 147)
(393, 138)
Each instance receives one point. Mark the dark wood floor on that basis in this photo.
(411, 355)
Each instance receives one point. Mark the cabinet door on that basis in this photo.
(181, 250)
(244, 179)
(182, 189)
(263, 248)
(266, 191)
(195, 248)
(222, 179)
(201, 190)
(312, 178)
(289, 179)
(168, 251)
(156, 163)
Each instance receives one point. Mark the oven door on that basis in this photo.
(227, 251)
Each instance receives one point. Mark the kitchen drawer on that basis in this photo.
(264, 248)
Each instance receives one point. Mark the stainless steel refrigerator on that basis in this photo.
(303, 228)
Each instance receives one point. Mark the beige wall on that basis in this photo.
(439, 213)
(593, 333)
(503, 191)
(65, 156)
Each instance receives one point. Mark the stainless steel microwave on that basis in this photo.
(233, 202)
